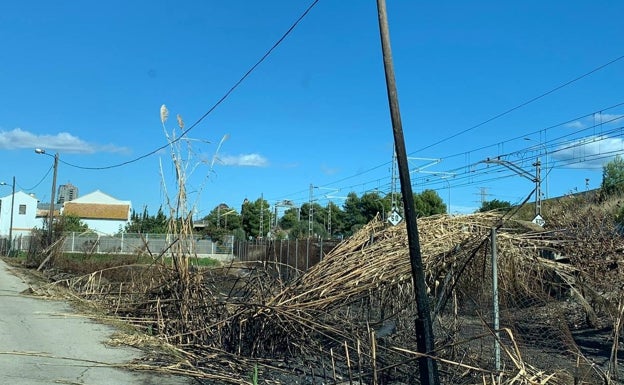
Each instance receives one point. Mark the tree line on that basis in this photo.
(258, 219)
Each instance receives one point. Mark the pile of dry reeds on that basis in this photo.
(352, 314)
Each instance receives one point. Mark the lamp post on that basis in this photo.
(51, 208)
(11, 220)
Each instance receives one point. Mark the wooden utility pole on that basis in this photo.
(428, 370)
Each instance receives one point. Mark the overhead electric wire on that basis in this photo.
(517, 107)
(552, 142)
(38, 183)
(523, 104)
(279, 41)
(214, 106)
(542, 130)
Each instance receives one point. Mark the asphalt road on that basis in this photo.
(46, 342)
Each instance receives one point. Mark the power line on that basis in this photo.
(506, 112)
(545, 130)
(38, 183)
(490, 145)
(552, 142)
(214, 106)
(523, 104)
(471, 175)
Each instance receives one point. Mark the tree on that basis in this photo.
(494, 204)
(354, 219)
(71, 223)
(613, 176)
(251, 212)
(319, 219)
(428, 203)
(221, 221)
(290, 218)
(301, 230)
(372, 204)
(337, 219)
(147, 224)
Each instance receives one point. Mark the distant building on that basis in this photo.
(67, 192)
(101, 212)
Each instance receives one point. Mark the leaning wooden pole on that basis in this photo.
(424, 329)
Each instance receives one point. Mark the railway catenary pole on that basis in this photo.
(428, 371)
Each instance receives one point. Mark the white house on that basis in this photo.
(101, 212)
(23, 215)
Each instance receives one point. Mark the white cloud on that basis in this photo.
(591, 152)
(608, 118)
(63, 141)
(251, 160)
(329, 170)
(595, 120)
(575, 124)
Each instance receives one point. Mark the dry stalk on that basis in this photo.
(617, 332)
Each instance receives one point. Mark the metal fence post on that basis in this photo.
(497, 357)
(307, 254)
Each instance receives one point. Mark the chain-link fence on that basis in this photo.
(546, 314)
(126, 243)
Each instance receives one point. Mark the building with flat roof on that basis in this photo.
(67, 192)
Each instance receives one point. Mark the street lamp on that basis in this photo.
(51, 208)
(11, 221)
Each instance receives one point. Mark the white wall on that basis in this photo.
(105, 226)
(22, 223)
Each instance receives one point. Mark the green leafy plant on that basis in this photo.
(254, 375)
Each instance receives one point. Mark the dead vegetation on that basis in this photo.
(350, 318)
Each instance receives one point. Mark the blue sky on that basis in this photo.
(87, 80)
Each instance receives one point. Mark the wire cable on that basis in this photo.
(214, 106)
(554, 142)
(523, 104)
(38, 183)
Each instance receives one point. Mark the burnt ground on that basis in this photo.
(551, 351)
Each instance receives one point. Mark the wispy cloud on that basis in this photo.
(325, 169)
(63, 141)
(576, 124)
(603, 118)
(591, 152)
(595, 120)
(248, 160)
